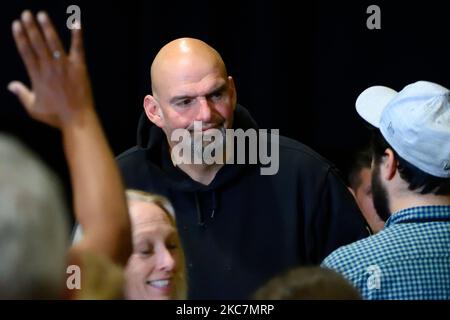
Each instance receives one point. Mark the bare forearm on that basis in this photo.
(99, 200)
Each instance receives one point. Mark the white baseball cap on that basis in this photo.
(415, 122)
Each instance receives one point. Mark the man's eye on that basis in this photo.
(217, 95)
(184, 102)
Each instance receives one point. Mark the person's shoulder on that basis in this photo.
(132, 158)
(128, 154)
(132, 162)
(297, 152)
(347, 259)
(359, 253)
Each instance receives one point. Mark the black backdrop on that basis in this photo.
(298, 65)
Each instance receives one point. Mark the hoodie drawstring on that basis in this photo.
(214, 204)
(200, 217)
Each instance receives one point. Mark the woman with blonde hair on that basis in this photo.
(156, 268)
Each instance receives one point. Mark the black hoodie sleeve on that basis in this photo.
(337, 221)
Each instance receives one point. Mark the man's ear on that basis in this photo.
(232, 89)
(153, 110)
(390, 164)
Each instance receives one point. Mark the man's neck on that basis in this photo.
(201, 173)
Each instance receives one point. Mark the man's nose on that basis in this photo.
(205, 110)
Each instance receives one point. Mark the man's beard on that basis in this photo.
(379, 195)
(198, 147)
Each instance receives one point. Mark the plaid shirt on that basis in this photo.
(408, 259)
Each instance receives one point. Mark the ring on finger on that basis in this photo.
(56, 54)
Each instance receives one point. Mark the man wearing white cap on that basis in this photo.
(410, 257)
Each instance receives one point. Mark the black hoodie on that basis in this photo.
(244, 227)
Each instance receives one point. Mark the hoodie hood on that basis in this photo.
(152, 140)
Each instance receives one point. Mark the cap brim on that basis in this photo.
(372, 101)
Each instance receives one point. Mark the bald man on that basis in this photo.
(238, 227)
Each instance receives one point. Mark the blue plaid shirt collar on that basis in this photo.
(419, 214)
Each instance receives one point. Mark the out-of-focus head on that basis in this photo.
(190, 83)
(156, 268)
(33, 226)
(308, 283)
(360, 180)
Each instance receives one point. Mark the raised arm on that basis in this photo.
(61, 97)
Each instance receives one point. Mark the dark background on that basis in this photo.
(298, 66)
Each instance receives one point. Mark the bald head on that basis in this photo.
(184, 59)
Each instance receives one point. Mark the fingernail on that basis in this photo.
(42, 17)
(16, 26)
(26, 16)
(12, 87)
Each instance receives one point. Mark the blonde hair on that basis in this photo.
(166, 206)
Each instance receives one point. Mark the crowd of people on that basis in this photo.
(151, 224)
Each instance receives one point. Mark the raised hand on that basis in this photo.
(61, 90)
(61, 96)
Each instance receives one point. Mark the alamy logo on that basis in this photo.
(374, 280)
(374, 20)
(220, 145)
(74, 279)
(74, 20)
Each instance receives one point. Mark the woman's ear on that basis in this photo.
(153, 111)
